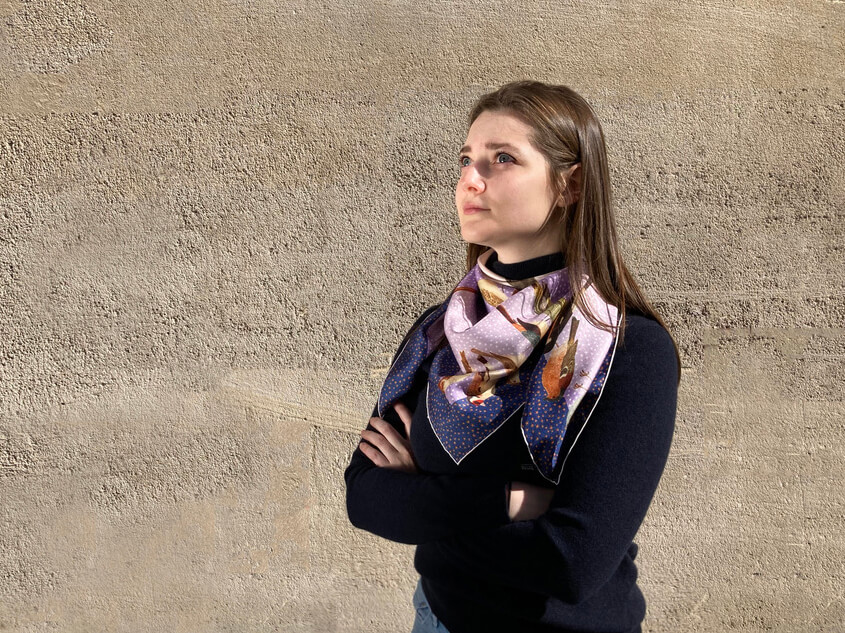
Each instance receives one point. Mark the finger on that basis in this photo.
(392, 435)
(380, 442)
(373, 454)
(405, 415)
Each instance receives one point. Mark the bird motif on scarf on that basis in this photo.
(558, 372)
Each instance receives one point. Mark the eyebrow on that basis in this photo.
(493, 145)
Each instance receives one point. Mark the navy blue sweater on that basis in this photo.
(571, 569)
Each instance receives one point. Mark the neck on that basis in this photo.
(533, 267)
(513, 256)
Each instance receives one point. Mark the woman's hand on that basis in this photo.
(385, 447)
(528, 501)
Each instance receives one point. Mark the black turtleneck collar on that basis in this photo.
(529, 268)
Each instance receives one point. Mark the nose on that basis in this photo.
(472, 179)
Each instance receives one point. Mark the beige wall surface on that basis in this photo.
(218, 217)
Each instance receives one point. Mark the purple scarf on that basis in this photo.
(493, 326)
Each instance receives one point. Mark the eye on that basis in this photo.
(507, 158)
(463, 161)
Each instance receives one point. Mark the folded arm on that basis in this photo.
(418, 507)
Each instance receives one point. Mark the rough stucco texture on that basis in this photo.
(217, 219)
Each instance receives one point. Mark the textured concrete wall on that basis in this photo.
(217, 218)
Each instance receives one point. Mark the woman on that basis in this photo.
(525, 422)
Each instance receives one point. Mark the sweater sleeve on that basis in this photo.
(607, 485)
(420, 507)
(417, 508)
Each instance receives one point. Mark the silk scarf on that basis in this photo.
(501, 346)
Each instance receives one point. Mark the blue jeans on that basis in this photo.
(425, 622)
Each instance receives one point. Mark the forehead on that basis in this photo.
(499, 126)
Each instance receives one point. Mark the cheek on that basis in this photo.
(542, 194)
(532, 201)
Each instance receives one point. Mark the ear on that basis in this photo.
(572, 185)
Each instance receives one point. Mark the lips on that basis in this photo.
(469, 209)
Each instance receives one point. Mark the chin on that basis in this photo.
(474, 237)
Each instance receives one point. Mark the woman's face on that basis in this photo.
(504, 193)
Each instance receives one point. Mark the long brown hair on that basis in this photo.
(567, 131)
